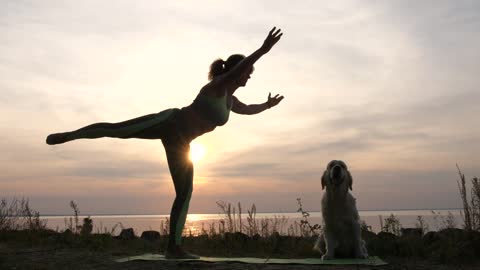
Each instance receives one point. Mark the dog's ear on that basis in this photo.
(324, 179)
(350, 180)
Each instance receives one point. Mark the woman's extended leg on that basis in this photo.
(181, 170)
(145, 127)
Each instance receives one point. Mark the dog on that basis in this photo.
(341, 232)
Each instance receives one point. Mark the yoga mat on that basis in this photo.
(374, 261)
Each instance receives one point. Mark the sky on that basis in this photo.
(390, 87)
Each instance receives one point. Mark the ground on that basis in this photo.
(12, 257)
(46, 249)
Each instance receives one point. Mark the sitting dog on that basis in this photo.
(341, 232)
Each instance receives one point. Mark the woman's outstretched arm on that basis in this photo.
(246, 64)
(241, 108)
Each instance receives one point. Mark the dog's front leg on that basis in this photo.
(330, 244)
(360, 249)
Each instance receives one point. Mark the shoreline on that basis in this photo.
(197, 223)
(258, 213)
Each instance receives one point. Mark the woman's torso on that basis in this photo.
(205, 113)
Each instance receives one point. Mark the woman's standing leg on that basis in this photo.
(181, 170)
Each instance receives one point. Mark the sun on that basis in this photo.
(197, 152)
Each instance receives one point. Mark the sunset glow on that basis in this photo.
(390, 87)
(197, 152)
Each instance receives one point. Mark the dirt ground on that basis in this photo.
(71, 259)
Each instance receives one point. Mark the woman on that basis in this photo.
(178, 127)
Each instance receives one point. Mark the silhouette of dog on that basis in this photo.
(341, 232)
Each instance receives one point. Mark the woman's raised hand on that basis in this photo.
(273, 101)
(273, 37)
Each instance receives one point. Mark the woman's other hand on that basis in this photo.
(273, 101)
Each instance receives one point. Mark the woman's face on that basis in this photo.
(242, 81)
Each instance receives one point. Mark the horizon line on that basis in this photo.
(286, 212)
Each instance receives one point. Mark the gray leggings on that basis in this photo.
(164, 126)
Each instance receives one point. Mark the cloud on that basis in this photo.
(391, 87)
(391, 150)
(28, 159)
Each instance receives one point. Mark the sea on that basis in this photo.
(432, 220)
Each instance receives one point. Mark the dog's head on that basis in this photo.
(337, 174)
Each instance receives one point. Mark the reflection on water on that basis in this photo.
(196, 222)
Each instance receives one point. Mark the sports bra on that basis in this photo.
(213, 109)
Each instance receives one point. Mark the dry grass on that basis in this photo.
(234, 221)
(18, 215)
(471, 207)
(245, 234)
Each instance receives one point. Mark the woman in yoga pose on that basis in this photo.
(178, 127)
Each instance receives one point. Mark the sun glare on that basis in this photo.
(197, 152)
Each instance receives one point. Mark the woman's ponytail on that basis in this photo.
(216, 68)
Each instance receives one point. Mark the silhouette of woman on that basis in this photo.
(178, 127)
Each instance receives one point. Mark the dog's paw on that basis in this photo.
(327, 257)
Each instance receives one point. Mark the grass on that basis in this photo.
(471, 206)
(18, 215)
(253, 226)
(242, 233)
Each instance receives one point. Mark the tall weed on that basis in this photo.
(18, 215)
(471, 208)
